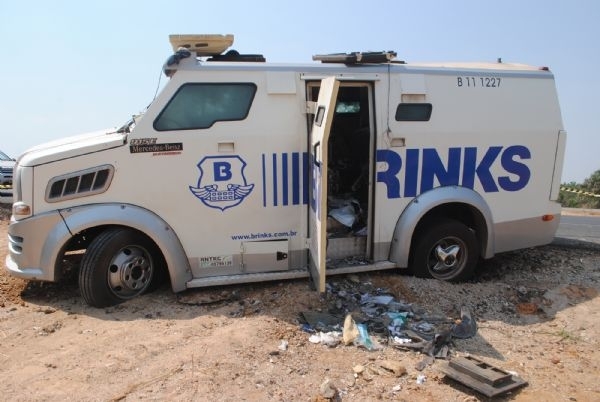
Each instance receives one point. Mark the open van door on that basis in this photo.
(317, 215)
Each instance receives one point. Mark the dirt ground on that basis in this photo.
(538, 315)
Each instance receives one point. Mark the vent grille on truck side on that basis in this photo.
(79, 184)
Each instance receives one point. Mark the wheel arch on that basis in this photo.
(86, 222)
(460, 203)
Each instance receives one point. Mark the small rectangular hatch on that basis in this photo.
(265, 256)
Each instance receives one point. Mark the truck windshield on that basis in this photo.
(4, 157)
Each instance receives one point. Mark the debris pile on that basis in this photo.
(369, 317)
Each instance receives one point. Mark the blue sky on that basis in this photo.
(69, 67)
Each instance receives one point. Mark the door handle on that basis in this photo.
(315, 159)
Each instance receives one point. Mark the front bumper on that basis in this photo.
(34, 245)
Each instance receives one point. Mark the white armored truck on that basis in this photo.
(244, 171)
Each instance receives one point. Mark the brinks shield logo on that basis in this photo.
(222, 183)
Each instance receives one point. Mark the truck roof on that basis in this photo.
(436, 68)
(208, 52)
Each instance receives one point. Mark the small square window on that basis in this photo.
(413, 112)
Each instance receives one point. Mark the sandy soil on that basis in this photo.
(538, 313)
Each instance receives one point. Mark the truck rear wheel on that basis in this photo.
(446, 250)
(118, 265)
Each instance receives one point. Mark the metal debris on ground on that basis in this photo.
(480, 376)
(361, 314)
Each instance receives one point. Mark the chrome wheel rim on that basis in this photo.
(447, 257)
(130, 272)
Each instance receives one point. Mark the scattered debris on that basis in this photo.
(331, 339)
(345, 217)
(466, 327)
(350, 332)
(373, 317)
(318, 321)
(480, 376)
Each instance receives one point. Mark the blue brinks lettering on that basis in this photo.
(517, 168)
(422, 167)
(434, 167)
(389, 177)
(483, 170)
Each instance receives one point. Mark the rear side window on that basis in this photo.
(413, 112)
(197, 106)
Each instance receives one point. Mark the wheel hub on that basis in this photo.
(130, 272)
(447, 257)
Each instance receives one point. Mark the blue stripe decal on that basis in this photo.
(284, 177)
(264, 178)
(305, 178)
(275, 180)
(286, 187)
(295, 178)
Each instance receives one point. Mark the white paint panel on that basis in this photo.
(281, 83)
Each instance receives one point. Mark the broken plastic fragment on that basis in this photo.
(467, 328)
(365, 340)
(330, 339)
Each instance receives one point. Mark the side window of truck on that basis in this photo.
(198, 106)
(413, 112)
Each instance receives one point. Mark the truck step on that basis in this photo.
(283, 275)
(246, 278)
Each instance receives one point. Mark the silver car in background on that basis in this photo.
(7, 165)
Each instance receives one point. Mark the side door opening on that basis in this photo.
(349, 171)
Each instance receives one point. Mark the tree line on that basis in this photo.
(576, 200)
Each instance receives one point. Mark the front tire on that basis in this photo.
(446, 250)
(118, 265)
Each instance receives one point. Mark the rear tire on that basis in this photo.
(446, 250)
(118, 265)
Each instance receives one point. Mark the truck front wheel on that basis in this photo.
(446, 250)
(118, 265)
